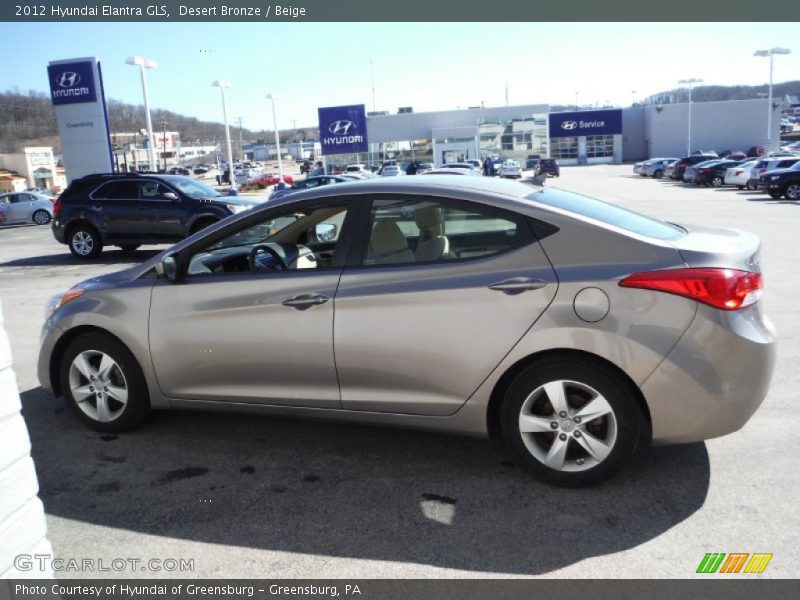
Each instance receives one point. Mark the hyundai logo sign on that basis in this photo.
(569, 125)
(72, 83)
(341, 127)
(345, 127)
(68, 79)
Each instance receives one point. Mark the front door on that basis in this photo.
(162, 209)
(443, 291)
(252, 319)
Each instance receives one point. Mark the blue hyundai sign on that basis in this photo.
(72, 83)
(343, 129)
(585, 122)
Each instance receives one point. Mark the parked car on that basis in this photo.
(656, 167)
(531, 160)
(271, 179)
(691, 171)
(782, 182)
(768, 164)
(356, 168)
(391, 171)
(638, 168)
(424, 168)
(510, 169)
(688, 161)
(179, 171)
(548, 167)
(25, 207)
(200, 170)
(739, 174)
(580, 356)
(786, 126)
(713, 174)
(130, 209)
(475, 163)
(309, 183)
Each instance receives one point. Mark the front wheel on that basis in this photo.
(104, 383)
(658, 174)
(793, 191)
(740, 187)
(776, 195)
(717, 182)
(85, 242)
(41, 217)
(572, 422)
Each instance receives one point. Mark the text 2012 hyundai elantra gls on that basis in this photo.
(573, 329)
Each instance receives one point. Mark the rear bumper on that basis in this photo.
(58, 232)
(715, 377)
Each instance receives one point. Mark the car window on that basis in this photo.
(610, 214)
(7, 199)
(295, 239)
(421, 230)
(153, 190)
(118, 190)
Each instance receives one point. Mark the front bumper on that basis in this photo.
(715, 377)
(47, 344)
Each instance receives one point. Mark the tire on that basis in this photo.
(615, 435)
(717, 182)
(792, 191)
(124, 379)
(202, 224)
(658, 174)
(84, 241)
(740, 187)
(41, 217)
(129, 247)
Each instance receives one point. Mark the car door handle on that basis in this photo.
(304, 301)
(516, 285)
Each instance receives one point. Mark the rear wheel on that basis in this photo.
(793, 191)
(658, 174)
(104, 383)
(41, 217)
(571, 421)
(741, 187)
(84, 241)
(717, 181)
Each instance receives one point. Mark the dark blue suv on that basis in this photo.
(131, 209)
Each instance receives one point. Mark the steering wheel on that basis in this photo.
(271, 251)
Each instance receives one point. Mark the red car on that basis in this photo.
(272, 179)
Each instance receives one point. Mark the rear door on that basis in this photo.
(116, 204)
(438, 291)
(16, 208)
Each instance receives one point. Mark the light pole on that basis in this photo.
(576, 100)
(633, 98)
(771, 53)
(223, 85)
(146, 63)
(689, 82)
(274, 98)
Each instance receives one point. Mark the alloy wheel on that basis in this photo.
(98, 385)
(41, 217)
(83, 242)
(793, 191)
(568, 426)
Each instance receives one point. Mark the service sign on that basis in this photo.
(72, 83)
(343, 129)
(585, 122)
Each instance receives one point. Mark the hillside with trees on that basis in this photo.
(27, 119)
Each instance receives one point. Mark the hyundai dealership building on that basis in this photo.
(523, 132)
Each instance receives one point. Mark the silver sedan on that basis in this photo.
(572, 329)
(25, 207)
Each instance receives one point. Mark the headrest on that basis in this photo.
(387, 238)
(428, 217)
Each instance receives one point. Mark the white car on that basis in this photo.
(510, 168)
(740, 174)
(392, 171)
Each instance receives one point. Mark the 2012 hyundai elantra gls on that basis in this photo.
(575, 330)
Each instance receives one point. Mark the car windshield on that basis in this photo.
(193, 189)
(609, 214)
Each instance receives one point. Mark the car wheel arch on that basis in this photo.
(506, 379)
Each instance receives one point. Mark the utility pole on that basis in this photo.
(372, 80)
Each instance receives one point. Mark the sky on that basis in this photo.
(429, 66)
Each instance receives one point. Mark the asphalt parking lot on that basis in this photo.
(283, 498)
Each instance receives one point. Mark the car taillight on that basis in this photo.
(57, 208)
(726, 289)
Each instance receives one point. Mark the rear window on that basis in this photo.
(609, 214)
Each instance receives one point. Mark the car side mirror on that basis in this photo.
(325, 232)
(170, 196)
(168, 267)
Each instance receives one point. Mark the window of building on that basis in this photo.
(599, 146)
(564, 148)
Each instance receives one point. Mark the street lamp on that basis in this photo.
(689, 82)
(274, 98)
(146, 63)
(223, 85)
(771, 53)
